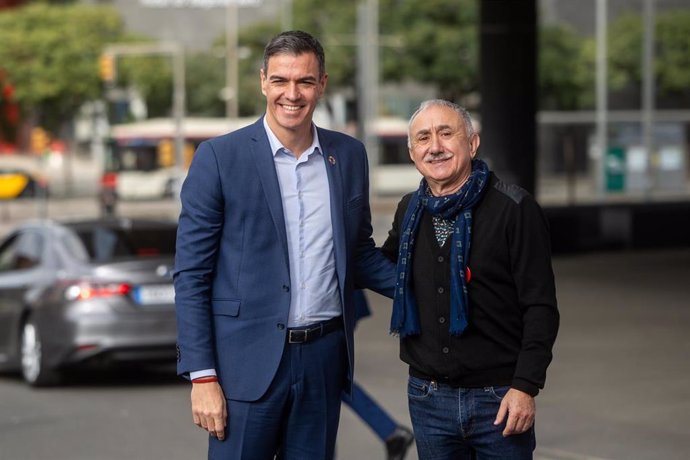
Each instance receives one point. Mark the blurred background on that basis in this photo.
(585, 104)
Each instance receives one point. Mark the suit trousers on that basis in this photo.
(297, 418)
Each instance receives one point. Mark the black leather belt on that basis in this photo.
(310, 333)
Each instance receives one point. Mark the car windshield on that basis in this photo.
(105, 244)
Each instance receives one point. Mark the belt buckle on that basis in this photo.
(298, 336)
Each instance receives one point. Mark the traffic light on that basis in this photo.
(39, 140)
(166, 153)
(188, 154)
(106, 67)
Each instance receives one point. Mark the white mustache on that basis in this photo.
(437, 156)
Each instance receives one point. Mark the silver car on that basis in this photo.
(91, 292)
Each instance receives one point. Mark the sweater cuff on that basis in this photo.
(527, 387)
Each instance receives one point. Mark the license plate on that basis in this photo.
(154, 294)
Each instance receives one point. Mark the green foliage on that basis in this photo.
(625, 50)
(673, 51)
(433, 42)
(334, 23)
(151, 76)
(564, 83)
(51, 55)
(251, 43)
(205, 77)
(440, 44)
(625, 42)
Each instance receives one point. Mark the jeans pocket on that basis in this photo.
(498, 393)
(418, 388)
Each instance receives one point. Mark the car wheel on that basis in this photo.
(34, 370)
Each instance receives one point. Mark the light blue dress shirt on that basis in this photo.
(306, 199)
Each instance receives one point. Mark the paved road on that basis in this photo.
(618, 389)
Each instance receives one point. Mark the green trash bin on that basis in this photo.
(615, 169)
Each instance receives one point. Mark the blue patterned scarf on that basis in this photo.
(458, 207)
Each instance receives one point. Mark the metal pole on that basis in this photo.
(368, 73)
(601, 94)
(648, 90)
(179, 106)
(286, 17)
(231, 75)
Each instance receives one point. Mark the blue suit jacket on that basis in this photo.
(232, 280)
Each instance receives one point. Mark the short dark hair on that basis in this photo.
(295, 42)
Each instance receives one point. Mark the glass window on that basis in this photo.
(104, 244)
(21, 252)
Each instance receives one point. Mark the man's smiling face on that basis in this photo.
(440, 149)
(292, 86)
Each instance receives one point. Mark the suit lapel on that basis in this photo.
(334, 169)
(265, 168)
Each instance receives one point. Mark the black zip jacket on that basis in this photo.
(513, 315)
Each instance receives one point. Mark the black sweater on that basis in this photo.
(513, 317)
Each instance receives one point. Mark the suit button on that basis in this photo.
(445, 350)
(440, 290)
(286, 288)
(281, 326)
(440, 258)
(442, 320)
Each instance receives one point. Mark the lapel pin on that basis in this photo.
(331, 159)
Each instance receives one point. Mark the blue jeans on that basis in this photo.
(458, 423)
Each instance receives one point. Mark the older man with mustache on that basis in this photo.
(475, 301)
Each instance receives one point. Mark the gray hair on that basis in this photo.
(295, 42)
(461, 111)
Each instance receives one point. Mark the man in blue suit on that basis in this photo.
(274, 233)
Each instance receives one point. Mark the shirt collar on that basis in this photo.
(277, 146)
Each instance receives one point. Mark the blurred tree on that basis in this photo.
(625, 41)
(50, 53)
(440, 45)
(624, 50)
(206, 74)
(334, 23)
(673, 51)
(564, 82)
(435, 40)
(205, 77)
(252, 41)
(151, 75)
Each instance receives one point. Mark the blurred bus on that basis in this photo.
(140, 163)
(395, 174)
(139, 160)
